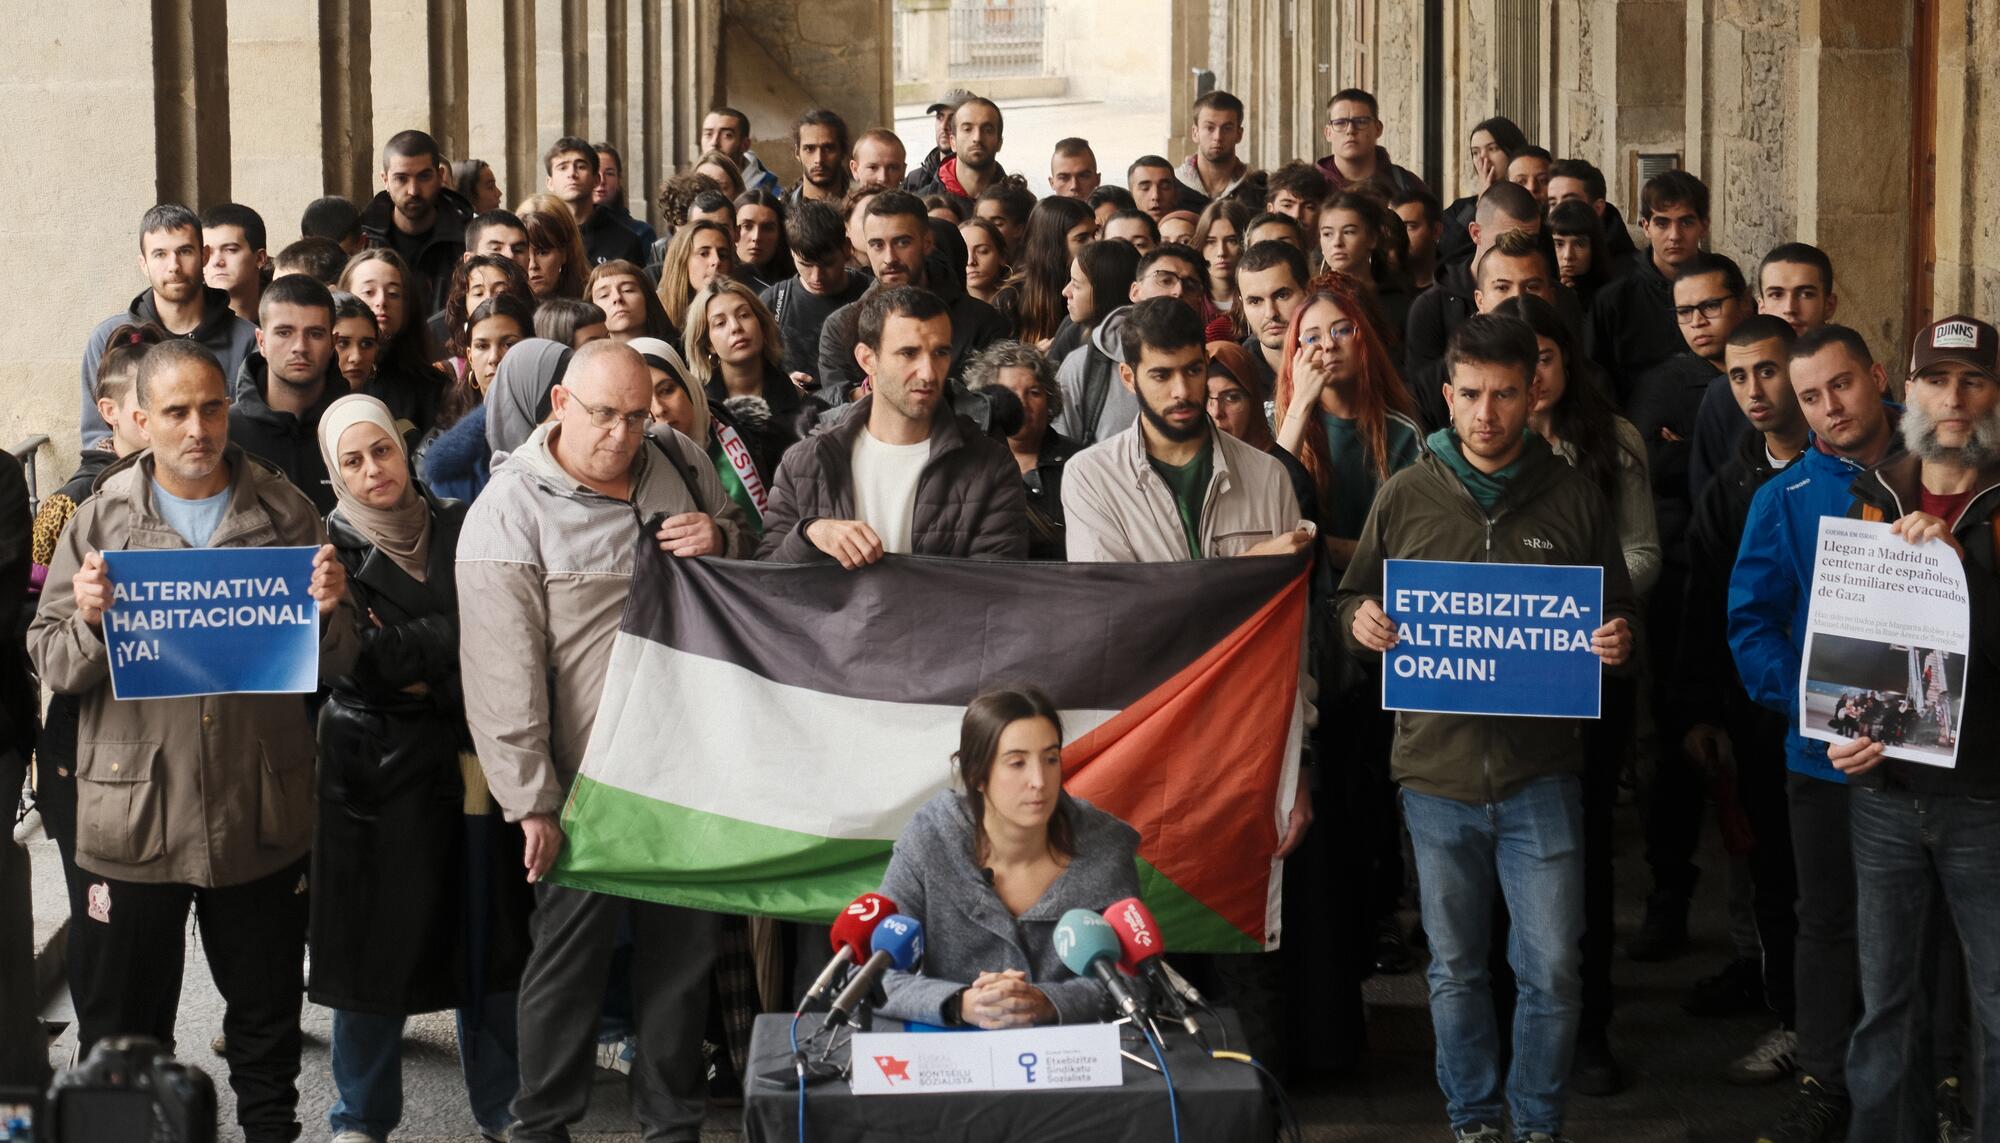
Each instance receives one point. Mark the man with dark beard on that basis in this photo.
(820, 139)
(977, 127)
(1921, 832)
(416, 215)
(1171, 487)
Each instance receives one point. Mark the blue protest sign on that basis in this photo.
(1508, 639)
(207, 621)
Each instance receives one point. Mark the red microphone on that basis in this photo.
(851, 933)
(1142, 952)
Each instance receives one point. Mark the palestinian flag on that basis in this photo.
(766, 730)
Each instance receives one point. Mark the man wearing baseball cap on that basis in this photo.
(925, 173)
(1922, 832)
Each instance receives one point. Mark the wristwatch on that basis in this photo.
(953, 1018)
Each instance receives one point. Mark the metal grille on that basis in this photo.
(989, 39)
(1518, 56)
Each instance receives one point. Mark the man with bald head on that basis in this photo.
(226, 779)
(544, 566)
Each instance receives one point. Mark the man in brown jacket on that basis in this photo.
(204, 801)
(902, 473)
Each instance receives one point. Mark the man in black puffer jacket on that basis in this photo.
(902, 473)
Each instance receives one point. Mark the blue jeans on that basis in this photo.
(368, 1068)
(1907, 847)
(1528, 847)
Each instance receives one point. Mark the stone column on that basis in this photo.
(281, 160)
(927, 43)
(1853, 199)
(67, 79)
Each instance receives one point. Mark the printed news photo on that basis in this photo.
(1901, 695)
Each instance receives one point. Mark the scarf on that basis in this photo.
(1486, 487)
(403, 533)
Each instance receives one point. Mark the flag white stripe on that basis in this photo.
(716, 737)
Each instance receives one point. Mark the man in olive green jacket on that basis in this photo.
(204, 801)
(1492, 801)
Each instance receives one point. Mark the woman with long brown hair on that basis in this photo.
(556, 259)
(1342, 408)
(1218, 238)
(406, 379)
(1058, 229)
(1006, 841)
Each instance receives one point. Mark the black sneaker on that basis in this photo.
(1593, 1070)
(1392, 949)
(1953, 1120)
(1737, 989)
(1814, 1115)
(1664, 935)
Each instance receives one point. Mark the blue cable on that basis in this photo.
(799, 1065)
(1173, 1104)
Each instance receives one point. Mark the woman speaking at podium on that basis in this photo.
(991, 866)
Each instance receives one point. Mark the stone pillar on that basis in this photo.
(347, 141)
(282, 158)
(67, 79)
(450, 123)
(190, 73)
(927, 42)
(1967, 222)
(597, 43)
(400, 40)
(1853, 199)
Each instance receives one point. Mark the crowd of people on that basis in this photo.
(475, 412)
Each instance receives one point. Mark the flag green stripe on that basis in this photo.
(1186, 923)
(708, 861)
(704, 860)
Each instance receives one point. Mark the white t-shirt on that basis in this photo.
(885, 487)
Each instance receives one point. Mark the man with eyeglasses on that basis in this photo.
(1096, 405)
(544, 568)
(903, 473)
(1709, 300)
(1354, 130)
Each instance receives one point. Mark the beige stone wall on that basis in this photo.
(1968, 188)
(273, 104)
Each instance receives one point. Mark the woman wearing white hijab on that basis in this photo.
(408, 915)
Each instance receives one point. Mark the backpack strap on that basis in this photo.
(1096, 391)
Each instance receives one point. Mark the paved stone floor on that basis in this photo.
(1678, 1094)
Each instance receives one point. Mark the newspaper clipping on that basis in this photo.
(1886, 640)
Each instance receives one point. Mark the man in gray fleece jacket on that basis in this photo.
(544, 566)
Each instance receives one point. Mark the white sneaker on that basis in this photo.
(1774, 1058)
(355, 1137)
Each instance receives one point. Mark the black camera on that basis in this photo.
(130, 1089)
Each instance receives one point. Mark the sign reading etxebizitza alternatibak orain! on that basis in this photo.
(206, 621)
(1506, 639)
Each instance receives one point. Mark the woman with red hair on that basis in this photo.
(1342, 408)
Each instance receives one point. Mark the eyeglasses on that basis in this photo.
(606, 416)
(1349, 125)
(1166, 279)
(1228, 397)
(1709, 310)
(1341, 332)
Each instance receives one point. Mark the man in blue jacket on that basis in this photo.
(1842, 391)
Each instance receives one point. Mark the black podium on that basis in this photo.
(1221, 1101)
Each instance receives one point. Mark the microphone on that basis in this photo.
(1088, 947)
(851, 931)
(898, 943)
(1143, 953)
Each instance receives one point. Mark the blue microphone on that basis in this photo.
(898, 943)
(1089, 946)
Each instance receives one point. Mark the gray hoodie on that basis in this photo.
(1096, 404)
(544, 566)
